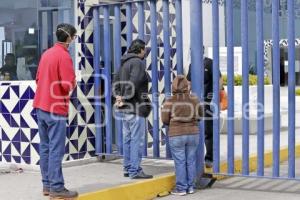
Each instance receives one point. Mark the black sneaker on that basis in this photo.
(64, 194)
(213, 180)
(142, 175)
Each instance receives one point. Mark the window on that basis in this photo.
(26, 30)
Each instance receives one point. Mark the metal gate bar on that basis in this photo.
(117, 65)
(276, 87)
(197, 76)
(167, 62)
(291, 83)
(245, 86)
(260, 87)
(216, 77)
(230, 87)
(107, 71)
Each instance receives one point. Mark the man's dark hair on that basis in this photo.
(63, 31)
(10, 55)
(136, 46)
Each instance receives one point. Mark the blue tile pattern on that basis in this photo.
(19, 139)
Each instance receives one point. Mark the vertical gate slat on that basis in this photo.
(276, 88)
(141, 21)
(141, 35)
(129, 23)
(117, 65)
(155, 95)
(196, 61)
(179, 40)
(107, 72)
(245, 98)
(96, 44)
(216, 88)
(167, 61)
(291, 86)
(230, 86)
(260, 87)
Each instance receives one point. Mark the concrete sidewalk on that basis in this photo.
(246, 189)
(84, 178)
(241, 188)
(97, 176)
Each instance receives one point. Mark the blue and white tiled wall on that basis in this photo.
(86, 47)
(19, 138)
(18, 132)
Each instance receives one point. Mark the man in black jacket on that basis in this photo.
(208, 113)
(130, 90)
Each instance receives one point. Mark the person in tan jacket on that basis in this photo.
(182, 113)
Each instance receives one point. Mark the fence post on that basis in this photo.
(141, 30)
(276, 88)
(230, 86)
(196, 69)
(260, 87)
(129, 23)
(167, 63)
(179, 40)
(216, 89)
(245, 74)
(96, 37)
(117, 65)
(291, 83)
(154, 71)
(107, 71)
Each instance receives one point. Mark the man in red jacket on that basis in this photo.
(55, 80)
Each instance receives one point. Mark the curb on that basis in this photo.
(161, 185)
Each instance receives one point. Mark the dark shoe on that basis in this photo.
(126, 174)
(142, 175)
(46, 191)
(210, 184)
(178, 193)
(64, 194)
(205, 181)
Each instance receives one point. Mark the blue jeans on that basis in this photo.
(52, 131)
(133, 142)
(183, 149)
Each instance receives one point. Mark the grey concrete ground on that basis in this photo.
(241, 188)
(95, 176)
(84, 178)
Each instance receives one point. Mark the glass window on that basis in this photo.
(18, 39)
(26, 30)
(52, 13)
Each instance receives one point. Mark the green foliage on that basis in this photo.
(297, 92)
(238, 80)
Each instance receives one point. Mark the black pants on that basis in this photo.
(208, 123)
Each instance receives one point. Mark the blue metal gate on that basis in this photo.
(102, 15)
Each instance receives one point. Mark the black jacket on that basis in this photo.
(131, 82)
(208, 78)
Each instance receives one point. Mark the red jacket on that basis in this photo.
(55, 79)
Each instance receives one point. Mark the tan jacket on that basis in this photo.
(183, 110)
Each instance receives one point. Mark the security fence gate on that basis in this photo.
(121, 17)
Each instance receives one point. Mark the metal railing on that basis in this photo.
(197, 76)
